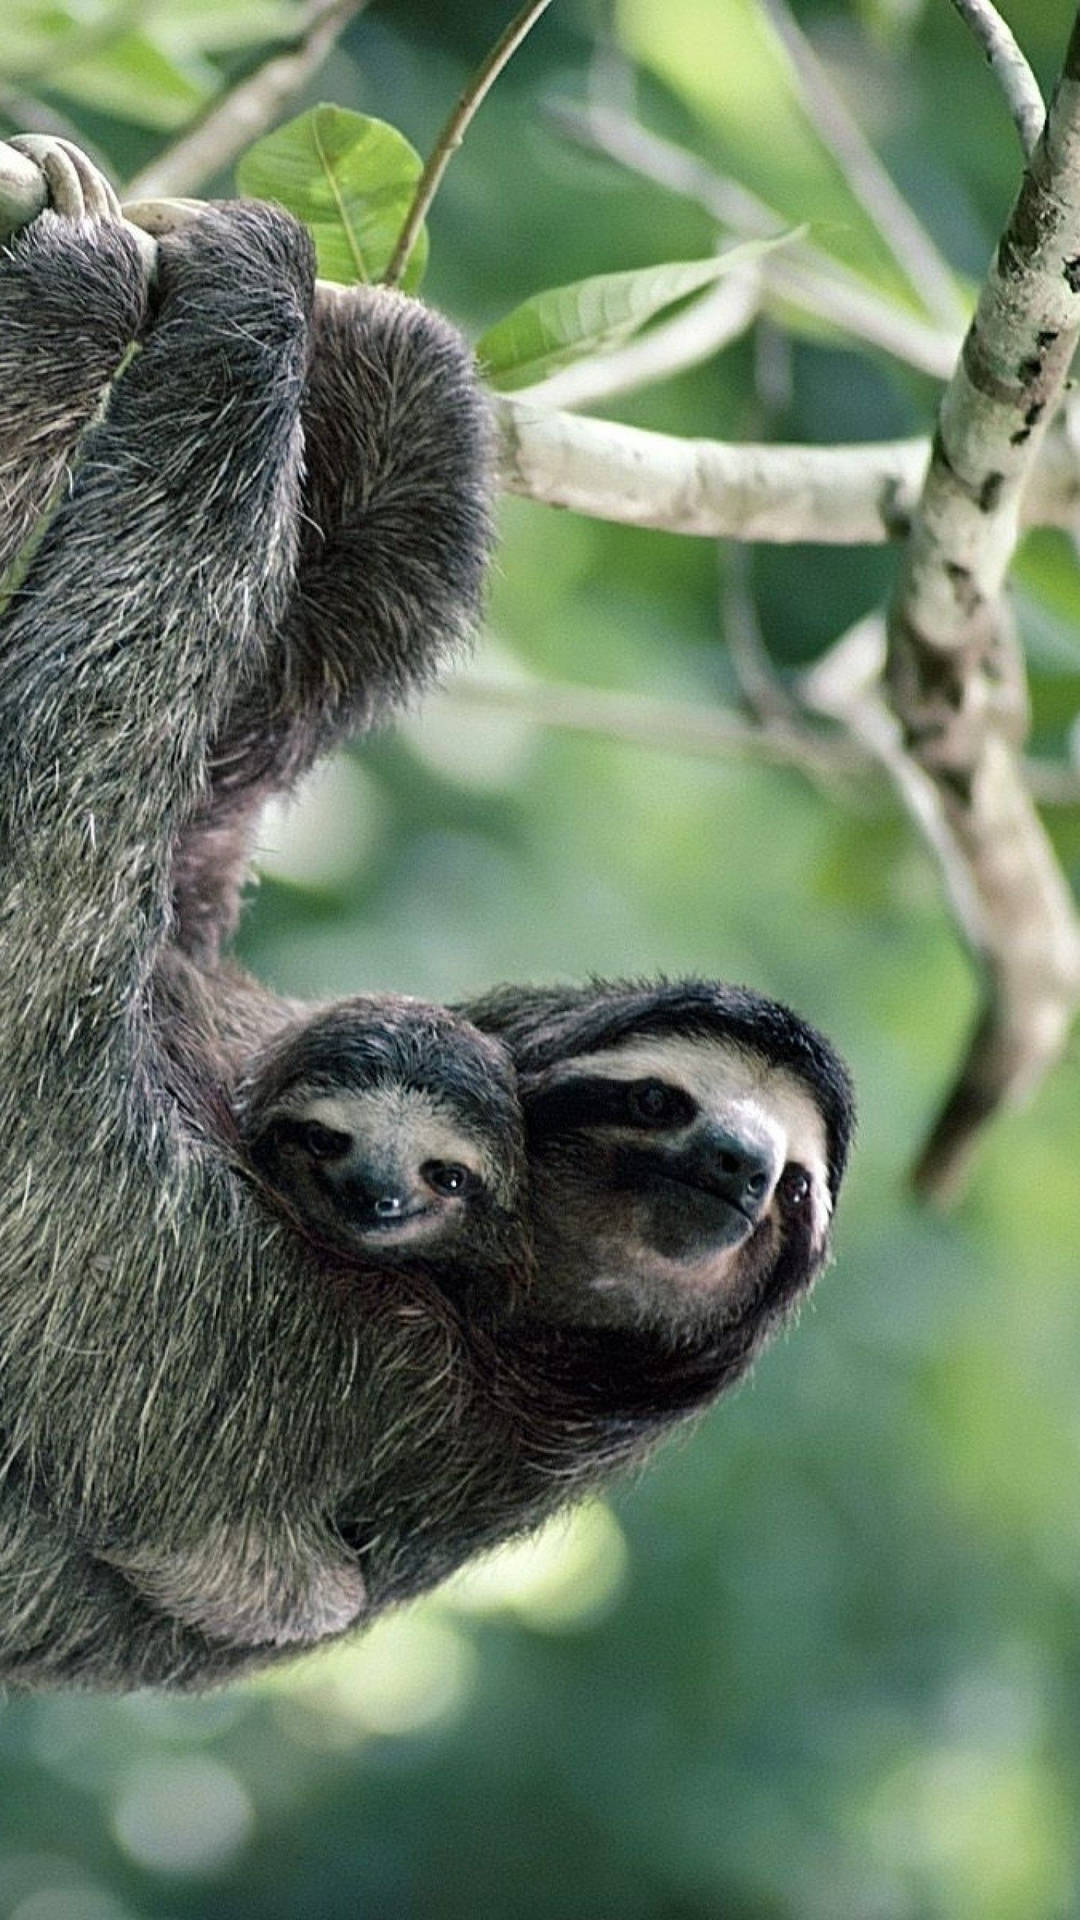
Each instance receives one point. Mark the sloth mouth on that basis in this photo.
(689, 1183)
(406, 1225)
(689, 1220)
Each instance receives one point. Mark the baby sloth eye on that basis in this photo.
(446, 1176)
(651, 1103)
(323, 1143)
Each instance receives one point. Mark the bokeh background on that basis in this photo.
(823, 1658)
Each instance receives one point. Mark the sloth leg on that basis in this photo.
(393, 546)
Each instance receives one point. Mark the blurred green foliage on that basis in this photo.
(824, 1660)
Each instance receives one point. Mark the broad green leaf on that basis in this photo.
(217, 26)
(351, 180)
(726, 60)
(135, 80)
(564, 324)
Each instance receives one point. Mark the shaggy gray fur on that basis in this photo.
(189, 1406)
(222, 1441)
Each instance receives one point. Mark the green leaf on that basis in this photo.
(564, 324)
(351, 180)
(135, 80)
(740, 81)
(219, 26)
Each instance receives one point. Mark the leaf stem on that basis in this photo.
(454, 131)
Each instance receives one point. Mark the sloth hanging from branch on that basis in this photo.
(301, 1306)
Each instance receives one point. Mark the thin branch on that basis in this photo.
(455, 129)
(696, 334)
(669, 726)
(799, 274)
(1009, 68)
(759, 683)
(904, 235)
(846, 685)
(711, 733)
(955, 671)
(27, 114)
(247, 110)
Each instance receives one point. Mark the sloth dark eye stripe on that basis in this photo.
(593, 1100)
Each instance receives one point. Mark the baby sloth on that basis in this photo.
(389, 1132)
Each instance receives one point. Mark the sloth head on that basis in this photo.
(389, 1131)
(685, 1145)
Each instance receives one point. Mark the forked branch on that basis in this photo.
(955, 672)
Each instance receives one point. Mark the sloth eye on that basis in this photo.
(323, 1143)
(447, 1177)
(796, 1185)
(652, 1103)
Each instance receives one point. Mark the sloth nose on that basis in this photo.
(742, 1171)
(381, 1194)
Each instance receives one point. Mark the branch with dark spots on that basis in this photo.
(955, 672)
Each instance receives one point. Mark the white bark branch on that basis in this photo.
(955, 673)
(1009, 68)
(670, 726)
(904, 235)
(247, 111)
(858, 495)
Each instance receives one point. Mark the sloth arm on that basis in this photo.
(163, 567)
(394, 541)
(160, 574)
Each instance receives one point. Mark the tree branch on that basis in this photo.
(955, 672)
(858, 495)
(904, 235)
(1009, 67)
(670, 726)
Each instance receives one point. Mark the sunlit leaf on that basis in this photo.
(136, 80)
(738, 77)
(350, 179)
(564, 324)
(219, 25)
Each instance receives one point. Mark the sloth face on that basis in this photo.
(376, 1169)
(686, 1141)
(389, 1131)
(665, 1172)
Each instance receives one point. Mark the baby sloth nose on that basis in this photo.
(743, 1172)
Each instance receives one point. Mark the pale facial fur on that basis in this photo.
(735, 1088)
(400, 1122)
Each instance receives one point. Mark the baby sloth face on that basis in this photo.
(388, 1130)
